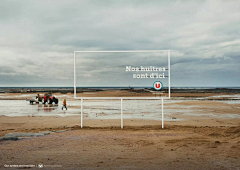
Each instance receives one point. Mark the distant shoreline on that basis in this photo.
(64, 90)
(114, 87)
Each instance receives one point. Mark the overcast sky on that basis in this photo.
(37, 38)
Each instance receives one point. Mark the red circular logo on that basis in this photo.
(157, 85)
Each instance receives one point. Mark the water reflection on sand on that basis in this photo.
(104, 109)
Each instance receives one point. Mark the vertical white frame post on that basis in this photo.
(162, 116)
(81, 113)
(121, 113)
(75, 87)
(169, 91)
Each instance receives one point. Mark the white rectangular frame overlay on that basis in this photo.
(121, 98)
(145, 51)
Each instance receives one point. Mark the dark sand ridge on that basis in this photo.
(116, 93)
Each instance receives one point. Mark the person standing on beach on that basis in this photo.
(64, 104)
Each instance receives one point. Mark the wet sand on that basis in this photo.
(204, 135)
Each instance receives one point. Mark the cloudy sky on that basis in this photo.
(37, 38)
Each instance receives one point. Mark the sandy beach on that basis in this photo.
(200, 132)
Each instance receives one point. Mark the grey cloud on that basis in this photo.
(6, 70)
(38, 38)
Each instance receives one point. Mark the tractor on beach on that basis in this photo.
(47, 98)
